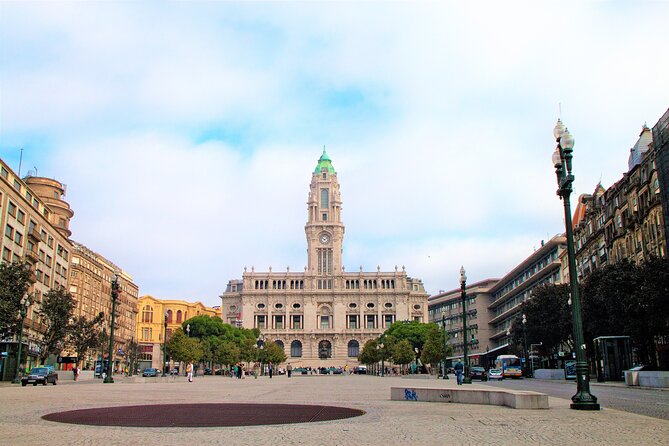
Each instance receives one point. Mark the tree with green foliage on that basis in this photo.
(272, 352)
(626, 299)
(403, 352)
(549, 320)
(226, 353)
(183, 348)
(370, 353)
(15, 280)
(433, 349)
(414, 332)
(84, 334)
(56, 310)
(248, 350)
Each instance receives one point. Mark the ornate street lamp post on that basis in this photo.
(527, 358)
(583, 399)
(114, 296)
(463, 292)
(444, 375)
(23, 311)
(165, 346)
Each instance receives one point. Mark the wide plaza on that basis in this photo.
(385, 422)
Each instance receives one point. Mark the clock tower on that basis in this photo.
(324, 229)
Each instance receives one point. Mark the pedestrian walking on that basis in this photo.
(459, 368)
(289, 369)
(270, 369)
(189, 371)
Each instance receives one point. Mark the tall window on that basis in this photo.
(278, 322)
(325, 198)
(260, 321)
(325, 322)
(296, 349)
(169, 316)
(353, 321)
(353, 348)
(179, 314)
(389, 319)
(297, 322)
(147, 314)
(370, 321)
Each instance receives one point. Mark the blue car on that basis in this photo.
(150, 372)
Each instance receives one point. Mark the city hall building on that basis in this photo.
(322, 316)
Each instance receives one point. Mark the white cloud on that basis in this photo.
(187, 134)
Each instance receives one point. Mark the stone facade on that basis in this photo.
(324, 315)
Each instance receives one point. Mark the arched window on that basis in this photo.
(279, 343)
(296, 349)
(353, 348)
(178, 316)
(169, 316)
(147, 314)
(324, 350)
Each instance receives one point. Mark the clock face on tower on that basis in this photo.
(325, 239)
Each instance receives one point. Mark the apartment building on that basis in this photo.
(35, 219)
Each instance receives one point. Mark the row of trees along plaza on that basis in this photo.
(208, 340)
(58, 329)
(624, 299)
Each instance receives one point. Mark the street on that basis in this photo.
(642, 401)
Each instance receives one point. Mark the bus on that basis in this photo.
(509, 365)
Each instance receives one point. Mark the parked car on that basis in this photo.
(360, 370)
(300, 371)
(334, 370)
(207, 371)
(495, 374)
(40, 375)
(150, 372)
(478, 373)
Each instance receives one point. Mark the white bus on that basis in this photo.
(509, 365)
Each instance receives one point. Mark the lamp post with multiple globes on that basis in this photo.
(583, 399)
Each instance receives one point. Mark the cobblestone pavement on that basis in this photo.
(385, 422)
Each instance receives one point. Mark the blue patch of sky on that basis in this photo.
(351, 112)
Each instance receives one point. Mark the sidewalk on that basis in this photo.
(385, 422)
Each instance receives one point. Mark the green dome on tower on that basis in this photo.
(324, 162)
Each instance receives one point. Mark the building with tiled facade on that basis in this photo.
(150, 332)
(322, 316)
(446, 309)
(494, 304)
(542, 267)
(35, 222)
(90, 284)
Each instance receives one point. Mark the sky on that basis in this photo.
(187, 132)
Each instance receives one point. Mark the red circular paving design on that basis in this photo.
(203, 415)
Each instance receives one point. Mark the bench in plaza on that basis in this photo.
(517, 399)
